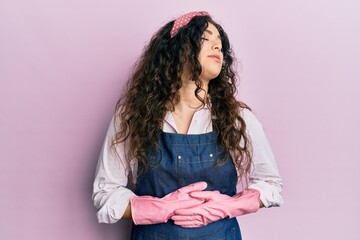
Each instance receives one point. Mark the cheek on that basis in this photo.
(202, 59)
(202, 52)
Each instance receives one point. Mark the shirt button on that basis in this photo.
(211, 155)
(179, 157)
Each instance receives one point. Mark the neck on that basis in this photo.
(187, 93)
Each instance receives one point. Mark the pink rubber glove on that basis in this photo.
(151, 210)
(216, 207)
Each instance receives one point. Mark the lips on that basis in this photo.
(216, 57)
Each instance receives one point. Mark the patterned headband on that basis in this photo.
(184, 20)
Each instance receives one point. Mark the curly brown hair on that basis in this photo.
(152, 91)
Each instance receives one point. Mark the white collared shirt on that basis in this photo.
(111, 195)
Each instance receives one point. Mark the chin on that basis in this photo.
(208, 79)
(211, 74)
(214, 75)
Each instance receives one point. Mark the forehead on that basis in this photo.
(212, 30)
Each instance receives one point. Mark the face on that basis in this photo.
(210, 56)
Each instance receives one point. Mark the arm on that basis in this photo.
(114, 201)
(110, 195)
(127, 213)
(264, 176)
(264, 187)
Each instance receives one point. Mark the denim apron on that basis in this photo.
(182, 160)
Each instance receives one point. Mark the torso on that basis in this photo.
(183, 119)
(183, 159)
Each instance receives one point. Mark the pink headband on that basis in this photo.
(184, 20)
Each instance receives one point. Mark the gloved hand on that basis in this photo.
(151, 210)
(216, 207)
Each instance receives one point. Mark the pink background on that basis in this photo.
(62, 68)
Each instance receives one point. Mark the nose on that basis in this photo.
(217, 46)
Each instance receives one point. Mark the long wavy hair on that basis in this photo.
(152, 91)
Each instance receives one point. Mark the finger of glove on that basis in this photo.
(205, 212)
(190, 224)
(194, 226)
(198, 186)
(199, 210)
(209, 195)
(185, 204)
(189, 221)
(183, 193)
(197, 220)
(185, 218)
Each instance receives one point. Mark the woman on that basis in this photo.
(181, 136)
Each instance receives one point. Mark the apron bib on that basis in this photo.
(182, 160)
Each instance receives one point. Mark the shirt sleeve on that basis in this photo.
(110, 194)
(264, 175)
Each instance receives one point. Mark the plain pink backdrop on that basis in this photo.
(63, 65)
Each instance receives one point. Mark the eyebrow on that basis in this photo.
(211, 33)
